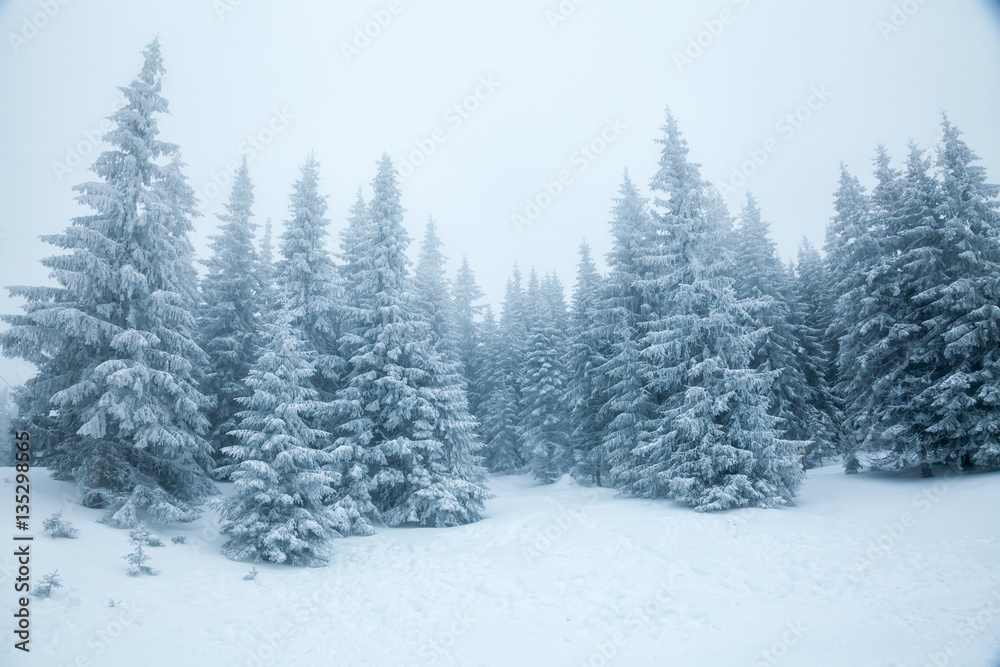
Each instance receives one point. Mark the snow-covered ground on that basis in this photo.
(867, 570)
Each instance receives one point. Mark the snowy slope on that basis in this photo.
(558, 575)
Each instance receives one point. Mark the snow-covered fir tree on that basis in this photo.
(474, 357)
(850, 254)
(808, 315)
(716, 446)
(231, 307)
(266, 275)
(876, 385)
(352, 239)
(624, 309)
(486, 358)
(282, 508)
(115, 403)
(502, 406)
(587, 349)
(629, 412)
(308, 281)
(965, 389)
(406, 424)
(545, 426)
(431, 293)
(632, 235)
(762, 280)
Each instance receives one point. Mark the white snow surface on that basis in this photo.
(866, 570)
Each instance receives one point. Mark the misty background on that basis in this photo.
(534, 80)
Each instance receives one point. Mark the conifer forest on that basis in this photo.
(422, 458)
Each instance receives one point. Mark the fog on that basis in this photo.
(511, 121)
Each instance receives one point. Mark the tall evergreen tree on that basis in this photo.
(868, 347)
(587, 351)
(965, 392)
(502, 410)
(266, 275)
(473, 357)
(716, 446)
(762, 280)
(352, 239)
(629, 412)
(173, 189)
(486, 357)
(811, 321)
(544, 423)
(850, 254)
(408, 423)
(432, 298)
(308, 281)
(116, 400)
(633, 238)
(624, 309)
(282, 509)
(232, 304)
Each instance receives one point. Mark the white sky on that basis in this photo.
(558, 88)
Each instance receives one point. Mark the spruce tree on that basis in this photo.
(629, 412)
(486, 359)
(269, 301)
(625, 308)
(432, 297)
(502, 408)
(587, 350)
(762, 280)
(308, 281)
(352, 239)
(633, 236)
(231, 308)
(544, 423)
(965, 392)
(716, 446)
(850, 255)
(281, 511)
(473, 356)
(115, 400)
(809, 317)
(407, 421)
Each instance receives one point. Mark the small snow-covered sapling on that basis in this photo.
(56, 526)
(137, 559)
(48, 583)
